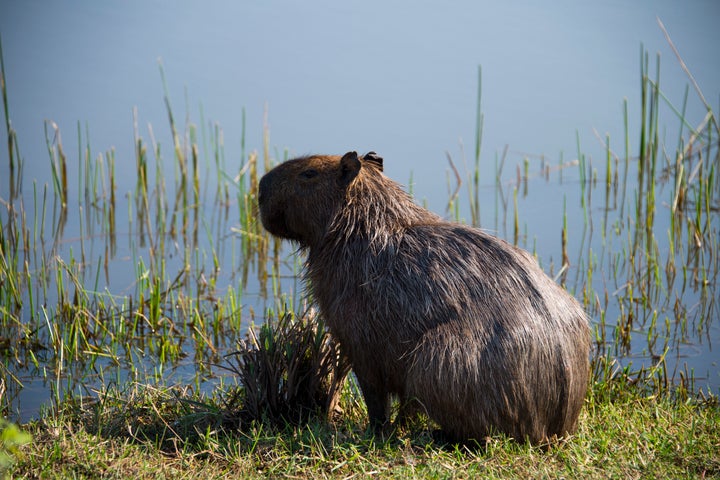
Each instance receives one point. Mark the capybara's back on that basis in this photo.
(465, 324)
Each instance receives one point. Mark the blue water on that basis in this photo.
(400, 78)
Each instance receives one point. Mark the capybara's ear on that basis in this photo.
(374, 158)
(349, 167)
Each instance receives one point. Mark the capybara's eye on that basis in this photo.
(308, 173)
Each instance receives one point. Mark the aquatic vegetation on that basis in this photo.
(156, 275)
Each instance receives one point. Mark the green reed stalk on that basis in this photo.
(58, 164)
(683, 122)
(44, 273)
(196, 191)
(155, 303)
(35, 229)
(83, 182)
(141, 187)
(564, 237)
(181, 194)
(12, 147)
(643, 137)
(654, 149)
(234, 301)
(584, 184)
(266, 141)
(713, 162)
(516, 228)
(8, 273)
(497, 194)
(111, 209)
(608, 184)
(627, 157)
(608, 164)
(26, 235)
(588, 291)
(474, 185)
(649, 162)
(82, 233)
(161, 208)
(100, 199)
(219, 156)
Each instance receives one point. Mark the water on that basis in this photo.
(398, 79)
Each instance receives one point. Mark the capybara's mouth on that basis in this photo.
(276, 224)
(272, 222)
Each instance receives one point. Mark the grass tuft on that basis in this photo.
(289, 370)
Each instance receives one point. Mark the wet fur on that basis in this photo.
(461, 322)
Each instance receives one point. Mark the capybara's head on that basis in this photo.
(299, 198)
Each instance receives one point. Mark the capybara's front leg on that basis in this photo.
(377, 401)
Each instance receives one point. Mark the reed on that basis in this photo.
(58, 164)
(474, 183)
(14, 177)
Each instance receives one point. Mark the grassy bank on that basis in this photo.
(159, 433)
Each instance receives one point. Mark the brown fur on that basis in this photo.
(461, 322)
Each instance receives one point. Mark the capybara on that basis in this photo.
(462, 323)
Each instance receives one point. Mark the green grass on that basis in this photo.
(188, 232)
(149, 433)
